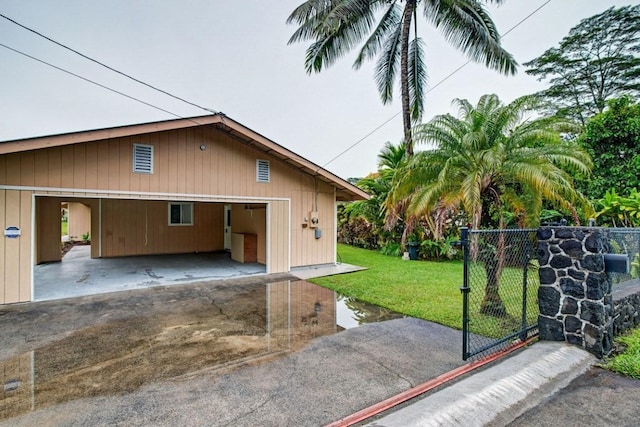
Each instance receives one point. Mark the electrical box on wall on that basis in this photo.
(313, 219)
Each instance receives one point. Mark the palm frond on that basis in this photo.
(417, 78)
(467, 26)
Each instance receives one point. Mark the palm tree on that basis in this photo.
(337, 26)
(490, 159)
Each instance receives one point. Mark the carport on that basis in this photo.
(165, 188)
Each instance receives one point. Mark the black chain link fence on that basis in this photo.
(623, 241)
(500, 289)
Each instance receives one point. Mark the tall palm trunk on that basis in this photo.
(404, 74)
(492, 303)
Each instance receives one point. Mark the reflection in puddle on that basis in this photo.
(122, 355)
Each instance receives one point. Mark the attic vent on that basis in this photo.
(262, 170)
(142, 158)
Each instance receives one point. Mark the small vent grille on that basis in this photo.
(142, 158)
(262, 171)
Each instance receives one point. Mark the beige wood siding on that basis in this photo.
(224, 167)
(131, 227)
(47, 229)
(305, 248)
(279, 237)
(79, 221)
(15, 254)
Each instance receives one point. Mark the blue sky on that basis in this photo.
(233, 57)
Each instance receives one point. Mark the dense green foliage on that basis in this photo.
(628, 362)
(619, 211)
(612, 138)
(384, 29)
(490, 160)
(596, 61)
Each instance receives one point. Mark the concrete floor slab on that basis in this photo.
(78, 274)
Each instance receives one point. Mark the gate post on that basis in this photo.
(464, 242)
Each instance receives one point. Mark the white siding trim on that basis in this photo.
(115, 194)
(268, 239)
(33, 248)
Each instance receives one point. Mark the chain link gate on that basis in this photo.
(500, 289)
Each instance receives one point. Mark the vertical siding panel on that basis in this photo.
(96, 235)
(161, 177)
(182, 161)
(103, 165)
(134, 179)
(41, 164)
(207, 175)
(27, 168)
(79, 166)
(218, 172)
(24, 290)
(91, 161)
(153, 179)
(48, 229)
(13, 169)
(55, 167)
(3, 169)
(190, 161)
(143, 182)
(12, 249)
(172, 186)
(125, 155)
(114, 164)
(66, 169)
(3, 259)
(198, 158)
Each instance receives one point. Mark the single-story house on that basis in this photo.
(199, 184)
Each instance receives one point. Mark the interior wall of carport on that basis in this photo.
(47, 227)
(141, 227)
(15, 253)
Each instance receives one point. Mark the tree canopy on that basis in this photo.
(613, 140)
(490, 158)
(384, 26)
(597, 60)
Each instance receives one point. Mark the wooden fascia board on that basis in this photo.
(101, 134)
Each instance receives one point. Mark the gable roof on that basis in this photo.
(345, 191)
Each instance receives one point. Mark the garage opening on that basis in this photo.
(119, 244)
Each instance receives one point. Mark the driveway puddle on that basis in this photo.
(169, 335)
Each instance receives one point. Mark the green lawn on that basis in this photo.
(64, 227)
(431, 290)
(422, 289)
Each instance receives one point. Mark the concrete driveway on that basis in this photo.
(255, 351)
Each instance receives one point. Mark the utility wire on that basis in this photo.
(96, 83)
(447, 77)
(107, 66)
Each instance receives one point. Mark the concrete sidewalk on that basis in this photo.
(500, 393)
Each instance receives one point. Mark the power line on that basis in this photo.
(96, 83)
(107, 66)
(447, 77)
